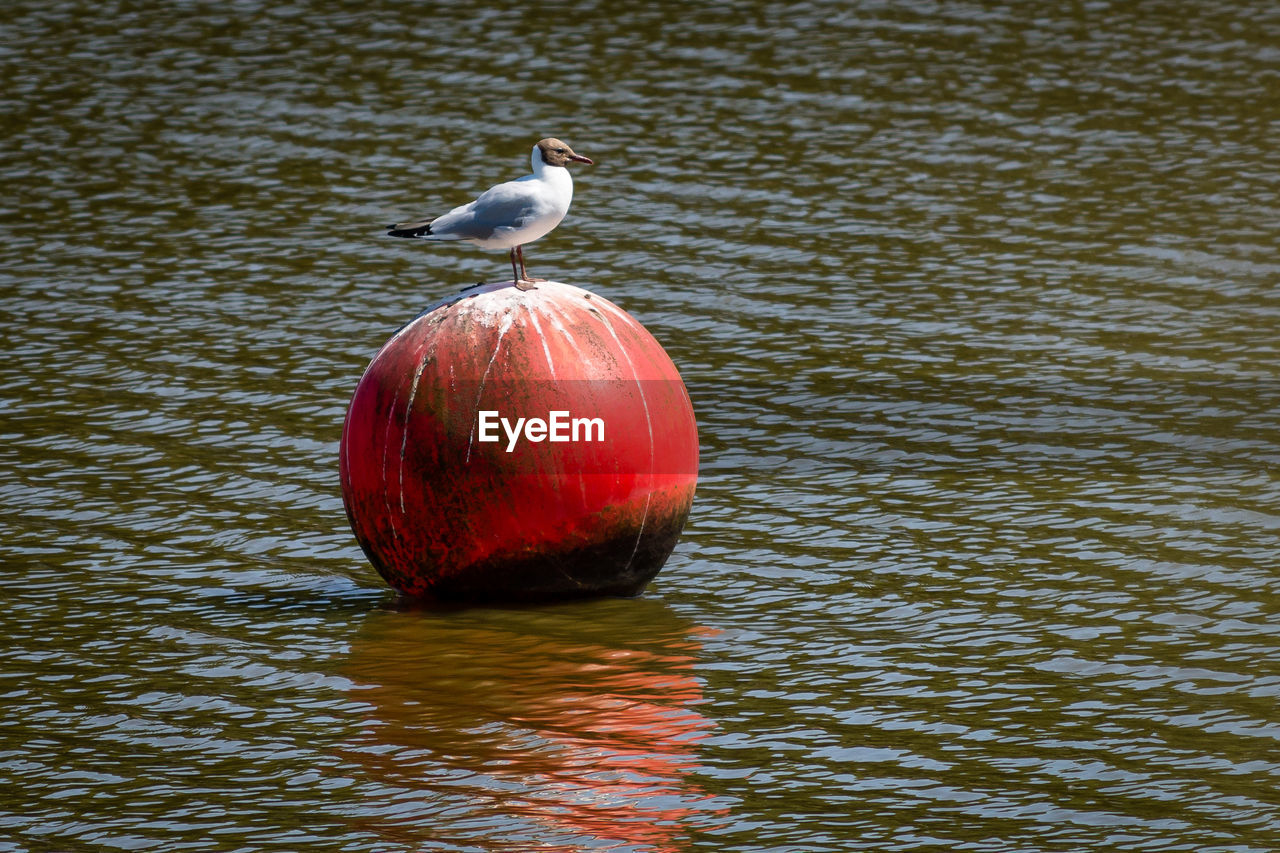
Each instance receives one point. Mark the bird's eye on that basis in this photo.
(559, 150)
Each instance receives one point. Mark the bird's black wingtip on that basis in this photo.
(398, 231)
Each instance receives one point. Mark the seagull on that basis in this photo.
(511, 214)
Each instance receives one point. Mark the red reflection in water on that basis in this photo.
(524, 725)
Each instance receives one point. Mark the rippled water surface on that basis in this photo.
(978, 307)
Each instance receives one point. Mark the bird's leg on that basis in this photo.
(523, 282)
(515, 274)
(524, 278)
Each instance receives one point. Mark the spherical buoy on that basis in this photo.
(519, 445)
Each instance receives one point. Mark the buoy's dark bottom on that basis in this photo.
(619, 566)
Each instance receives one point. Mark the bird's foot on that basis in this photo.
(527, 283)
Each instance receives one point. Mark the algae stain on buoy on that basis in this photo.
(519, 445)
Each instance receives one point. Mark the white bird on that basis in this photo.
(511, 214)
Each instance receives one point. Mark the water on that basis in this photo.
(976, 303)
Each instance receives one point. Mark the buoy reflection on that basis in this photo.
(552, 727)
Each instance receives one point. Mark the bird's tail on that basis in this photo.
(410, 229)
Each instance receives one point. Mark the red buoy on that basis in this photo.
(510, 445)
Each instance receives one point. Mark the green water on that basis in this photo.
(977, 305)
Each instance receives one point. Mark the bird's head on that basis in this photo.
(557, 153)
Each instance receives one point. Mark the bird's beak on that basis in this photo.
(581, 159)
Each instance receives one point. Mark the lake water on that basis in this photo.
(977, 303)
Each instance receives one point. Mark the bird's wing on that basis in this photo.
(505, 206)
(450, 226)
